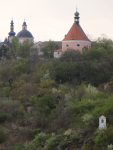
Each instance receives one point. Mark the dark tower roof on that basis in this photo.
(24, 33)
(11, 33)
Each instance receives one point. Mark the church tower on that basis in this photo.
(76, 38)
(11, 33)
(24, 34)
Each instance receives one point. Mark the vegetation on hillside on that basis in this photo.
(62, 97)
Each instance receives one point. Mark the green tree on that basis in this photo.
(48, 49)
(13, 51)
(7, 91)
(24, 49)
(44, 106)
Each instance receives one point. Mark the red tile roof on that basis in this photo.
(58, 50)
(76, 33)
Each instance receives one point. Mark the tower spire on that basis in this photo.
(76, 18)
(12, 33)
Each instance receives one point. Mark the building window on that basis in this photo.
(78, 45)
(67, 45)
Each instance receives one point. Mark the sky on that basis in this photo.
(52, 19)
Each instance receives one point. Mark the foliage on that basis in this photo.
(104, 136)
(46, 76)
(71, 56)
(19, 147)
(36, 131)
(68, 132)
(37, 141)
(3, 135)
(101, 138)
(13, 51)
(7, 91)
(24, 49)
(75, 137)
(91, 91)
(110, 147)
(87, 119)
(20, 49)
(62, 92)
(48, 49)
(19, 66)
(51, 143)
(3, 117)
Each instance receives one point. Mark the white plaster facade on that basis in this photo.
(102, 122)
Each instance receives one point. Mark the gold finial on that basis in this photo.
(24, 19)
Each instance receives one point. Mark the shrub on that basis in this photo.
(63, 145)
(19, 147)
(41, 137)
(3, 117)
(91, 91)
(67, 132)
(75, 138)
(36, 131)
(3, 135)
(101, 137)
(110, 147)
(51, 143)
(87, 119)
(60, 131)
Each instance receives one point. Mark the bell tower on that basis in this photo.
(11, 33)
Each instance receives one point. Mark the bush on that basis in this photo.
(36, 131)
(3, 135)
(3, 117)
(41, 137)
(19, 147)
(110, 147)
(67, 132)
(60, 131)
(75, 138)
(51, 143)
(63, 145)
(101, 137)
(87, 119)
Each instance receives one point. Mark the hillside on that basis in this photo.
(55, 104)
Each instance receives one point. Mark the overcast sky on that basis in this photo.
(52, 19)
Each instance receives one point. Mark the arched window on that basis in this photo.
(102, 121)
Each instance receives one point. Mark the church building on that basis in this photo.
(23, 35)
(75, 38)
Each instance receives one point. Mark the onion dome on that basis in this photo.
(76, 13)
